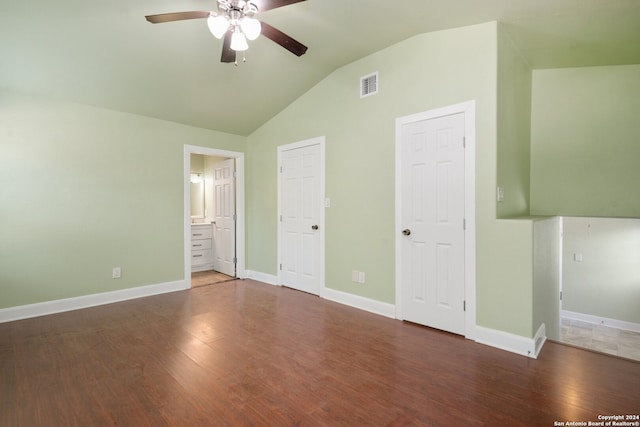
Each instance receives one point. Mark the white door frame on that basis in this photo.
(240, 223)
(468, 109)
(301, 144)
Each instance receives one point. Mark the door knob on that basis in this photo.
(314, 227)
(406, 232)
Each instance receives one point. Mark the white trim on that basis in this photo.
(258, 276)
(539, 339)
(86, 301)
(320, 140)
(597, 320)
(362, 303)
(240, 210)
(469, 110)
(529, 347)
(506, 341)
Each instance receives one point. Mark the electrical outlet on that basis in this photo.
(355, 275)
(116, 273)
(361, 277)
(500, 194)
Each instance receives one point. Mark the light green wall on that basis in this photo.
(425, 72)
(83, 190)
(516, 260)
(197, 163)
(514, 128)
(94, 204)
(504, 273)
(584, 141)
(607, 281)
(546, 276)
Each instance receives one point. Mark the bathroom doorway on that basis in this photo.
(213, 215)
(600, 286)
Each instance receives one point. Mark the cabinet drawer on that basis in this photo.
(201, 257)
(200, 244)
(205, 232)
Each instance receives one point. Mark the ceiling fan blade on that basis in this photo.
(283, 40)
(228, 54)
(264, 5)
(176, 16)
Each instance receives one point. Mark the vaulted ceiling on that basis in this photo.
(104, 53)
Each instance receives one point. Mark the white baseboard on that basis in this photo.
(506, 341)
(269, 279)
(513, 343)
(86, 301)
(362, 303)
(597, 320)
(529, 347)
(356, 301)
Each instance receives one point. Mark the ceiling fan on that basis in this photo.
(235, 21)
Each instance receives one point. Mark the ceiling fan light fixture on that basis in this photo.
(238, 41)
(218, 25)
(234, 21)
(251, 27)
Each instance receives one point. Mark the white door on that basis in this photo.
(300, 217)
(224, 217)
(432, 218)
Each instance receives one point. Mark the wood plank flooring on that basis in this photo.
(244, 353)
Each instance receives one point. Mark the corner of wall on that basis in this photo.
(513, 129)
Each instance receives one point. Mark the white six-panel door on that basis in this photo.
(224, 217)
(432, 222)
(300, 218)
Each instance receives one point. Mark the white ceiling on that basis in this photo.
(104, 53)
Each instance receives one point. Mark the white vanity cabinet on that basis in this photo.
(201, 247)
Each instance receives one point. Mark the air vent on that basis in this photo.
(369, 85)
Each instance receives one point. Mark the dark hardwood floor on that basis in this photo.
(244, 353)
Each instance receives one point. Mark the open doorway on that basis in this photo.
(213, 215)
(601, 285)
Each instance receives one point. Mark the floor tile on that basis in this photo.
(601, 338)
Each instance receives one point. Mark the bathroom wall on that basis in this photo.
(601, 267)
(198, 187)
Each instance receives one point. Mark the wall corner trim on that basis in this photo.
(539, 339)
(509, 342)
(85, 301)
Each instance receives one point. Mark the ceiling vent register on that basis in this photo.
(369, 85)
